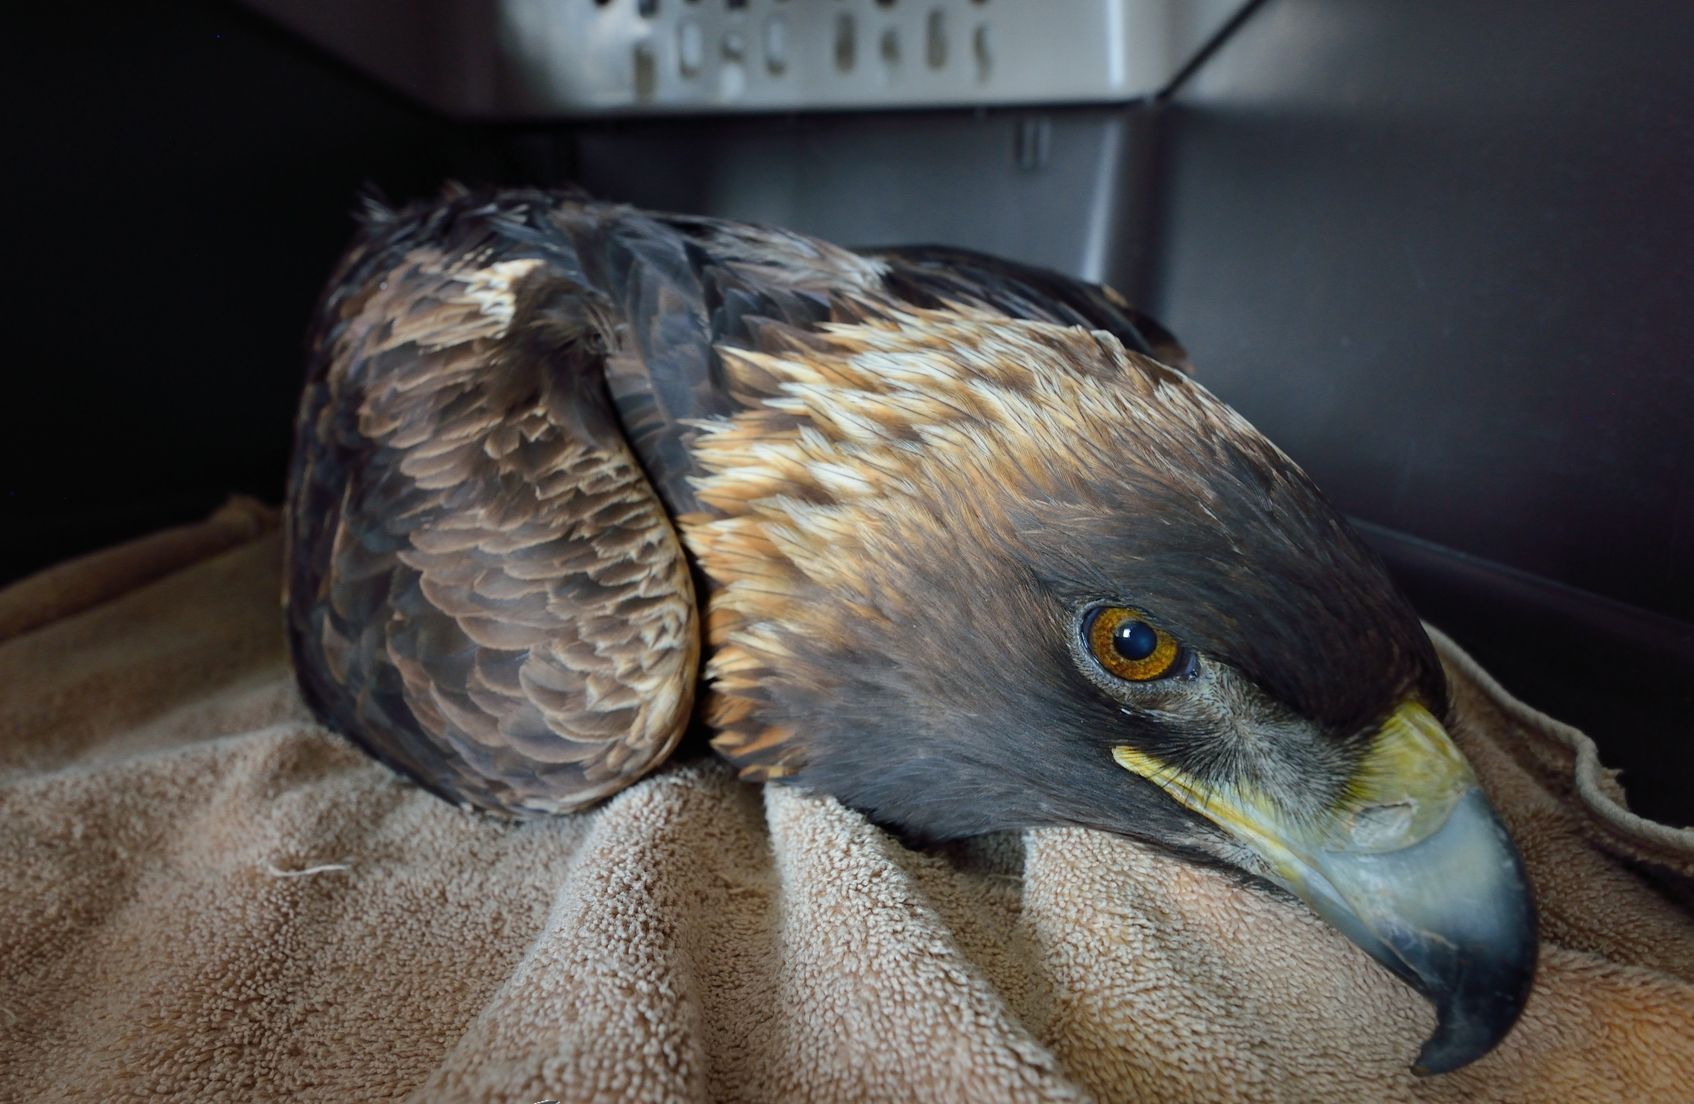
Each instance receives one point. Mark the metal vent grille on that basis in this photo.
(598, 57)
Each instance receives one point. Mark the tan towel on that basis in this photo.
(203, 895)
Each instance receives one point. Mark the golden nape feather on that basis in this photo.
(953, 539)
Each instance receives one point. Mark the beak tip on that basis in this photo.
(1445, 1052)
(1468, 1028)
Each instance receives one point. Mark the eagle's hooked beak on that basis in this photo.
(1412, 864)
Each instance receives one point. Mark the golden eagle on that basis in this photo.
(953, 539)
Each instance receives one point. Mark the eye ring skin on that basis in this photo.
(1116, 638)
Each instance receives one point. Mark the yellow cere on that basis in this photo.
(1156, 664)
(1412, 769)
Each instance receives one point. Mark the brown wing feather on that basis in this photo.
(483, 588)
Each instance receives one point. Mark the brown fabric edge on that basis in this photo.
(93, 579)
(1594, 785)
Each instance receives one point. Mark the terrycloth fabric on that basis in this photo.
(204, 895)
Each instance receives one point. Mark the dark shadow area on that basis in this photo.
(182, 177)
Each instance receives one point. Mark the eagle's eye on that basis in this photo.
(1128, 647)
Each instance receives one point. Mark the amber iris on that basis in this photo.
(1130, 648)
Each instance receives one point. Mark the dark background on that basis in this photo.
(1441, 252)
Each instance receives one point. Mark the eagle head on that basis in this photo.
(969, 573)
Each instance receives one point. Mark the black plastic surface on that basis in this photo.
(1618, 673)
(1058, 187)
(1442, 253)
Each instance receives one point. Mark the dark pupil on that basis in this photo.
(1134, 640)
